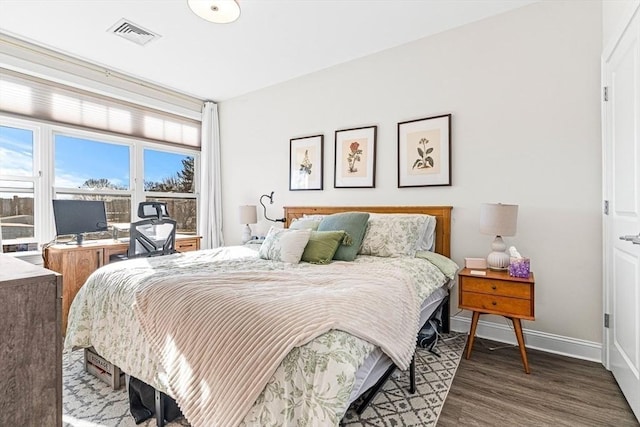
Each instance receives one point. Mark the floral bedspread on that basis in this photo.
(311, 386)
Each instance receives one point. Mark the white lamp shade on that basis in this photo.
(248, 214)
(498, 220)
(217, 11)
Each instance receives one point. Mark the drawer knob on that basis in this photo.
(494, 303)
(494, 287)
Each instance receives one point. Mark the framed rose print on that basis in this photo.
(355, 158)
(424, 152)
(305, 163)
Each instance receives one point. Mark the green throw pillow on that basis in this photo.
(354, 224)
(322, 246)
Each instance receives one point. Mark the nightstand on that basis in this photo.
(254, 244)
(497, 293)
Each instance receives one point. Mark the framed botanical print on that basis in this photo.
(424, 152)
(305, 163)
(355, 158)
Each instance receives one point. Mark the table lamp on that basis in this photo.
(248, 215)
(498, 220)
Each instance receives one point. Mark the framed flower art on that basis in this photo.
(305, 163)
(424, 152)
(355, 158)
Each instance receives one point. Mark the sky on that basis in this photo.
(77, 159)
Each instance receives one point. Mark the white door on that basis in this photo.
(621, 130)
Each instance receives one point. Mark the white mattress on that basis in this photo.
(375, 365)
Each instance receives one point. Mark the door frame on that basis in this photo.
(608, 50)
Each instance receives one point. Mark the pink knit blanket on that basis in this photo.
(221, 337)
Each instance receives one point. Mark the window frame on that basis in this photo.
(37, 179)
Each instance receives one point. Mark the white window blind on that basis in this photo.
(37, 98)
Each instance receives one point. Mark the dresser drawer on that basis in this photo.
(497, 304)
(496, 287)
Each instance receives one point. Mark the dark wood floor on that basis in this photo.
(491, 389)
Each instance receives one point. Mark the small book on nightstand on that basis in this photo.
(478, 272)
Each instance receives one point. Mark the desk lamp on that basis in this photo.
(498, 220)
(248, 215)
(270, 197)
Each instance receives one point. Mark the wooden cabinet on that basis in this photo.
(31, 350)
(76, 263)
(496, 292)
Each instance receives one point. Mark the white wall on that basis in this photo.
(523, 88)
(615, 14)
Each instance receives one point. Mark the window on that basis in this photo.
(170, 177)
(18, 188)
(88, 169)
(88, 164)
(60, 141)
(40, 162)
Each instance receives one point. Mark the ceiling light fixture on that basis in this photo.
(218, 11)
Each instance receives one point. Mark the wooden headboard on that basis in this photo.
(442, 214)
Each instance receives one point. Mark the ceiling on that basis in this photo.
(273, 41)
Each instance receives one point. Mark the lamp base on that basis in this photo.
(498, 259)
(246, 234)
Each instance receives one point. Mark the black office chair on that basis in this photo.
(153, 235)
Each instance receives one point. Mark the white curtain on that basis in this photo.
(210, 187)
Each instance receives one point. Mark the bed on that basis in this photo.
(311, 381)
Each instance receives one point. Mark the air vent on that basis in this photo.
(132, 32)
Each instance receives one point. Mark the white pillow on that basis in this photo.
(393, 235)
(314, 217)
(428, 240)
(284, 245)
(304, 224)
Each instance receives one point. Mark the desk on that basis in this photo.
(76, 263)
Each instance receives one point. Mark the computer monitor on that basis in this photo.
(79, 216)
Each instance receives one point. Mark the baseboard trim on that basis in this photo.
(551, 343)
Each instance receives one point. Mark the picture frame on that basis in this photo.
(306, 163)
(355, 157)
(424, 152)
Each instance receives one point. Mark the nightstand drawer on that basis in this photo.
(496, 287)
(496, 304)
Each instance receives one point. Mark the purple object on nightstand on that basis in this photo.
(519, 267)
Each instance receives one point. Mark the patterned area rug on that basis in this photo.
(88, 402)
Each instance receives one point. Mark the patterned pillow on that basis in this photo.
(448, 267)
(393, 235)
(284, 245)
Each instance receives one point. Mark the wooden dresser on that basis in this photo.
(31, 350)
(76, 263)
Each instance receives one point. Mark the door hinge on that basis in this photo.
(605, 93)
(605, 208)
(606, 320)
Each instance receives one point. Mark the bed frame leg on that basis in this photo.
(412, 375)
(412, 367)
(446, 312)
(374, 390)
(159, 408)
